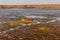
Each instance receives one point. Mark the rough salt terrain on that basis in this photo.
(30, 32)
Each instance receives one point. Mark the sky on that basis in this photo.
(20, 2)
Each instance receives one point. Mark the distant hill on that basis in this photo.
(31, 6)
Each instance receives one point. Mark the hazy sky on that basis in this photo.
(18, 2)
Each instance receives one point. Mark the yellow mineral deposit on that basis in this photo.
(11, 24)
(43, 29)
(24, 21)
(18, 22)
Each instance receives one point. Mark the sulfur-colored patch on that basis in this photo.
(43, 29)
(11, 24)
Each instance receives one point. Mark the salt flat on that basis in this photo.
(29, 32)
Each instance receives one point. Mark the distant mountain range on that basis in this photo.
(31, 6)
